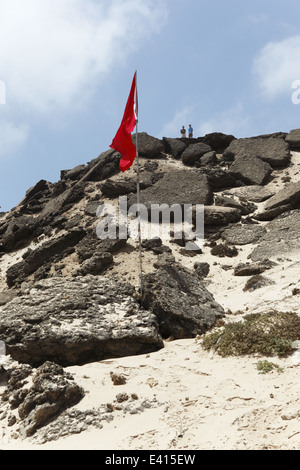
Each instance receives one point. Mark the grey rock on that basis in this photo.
(250, 269)
(220, 216)
(250, 170)
(218, 178)
(274, 151)
(281, 238)
(223, 250)
(254, 193)
(293, 139)
(218, 141)
(243, 234)
(194, 152)
(202, 269)
(174, 147)
(51, 392)
(290, 195)
(245, 208)
(149, 147)
(209, 158)
(75, 321)
(177, 187)
(45, 253)
(182, 305)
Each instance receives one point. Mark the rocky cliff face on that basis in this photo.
(68, 297)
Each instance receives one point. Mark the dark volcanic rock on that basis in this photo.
(251, 269)
(177, 187)
(290, 195)
(18, 232)
(250, 170)
(218, 141)
(194, 152)
(182, 305)
(218, 178)
(149, 147)
(51, 392)
(75, 321)
(254, 193)
(174, 147)
(274, 151)
(219, 215)
(293, 139)
(114, 189)
(45, 253)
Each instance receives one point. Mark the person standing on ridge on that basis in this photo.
(183, 131)
(190, 132)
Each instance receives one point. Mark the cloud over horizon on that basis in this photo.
(53, 52)
(277, 66)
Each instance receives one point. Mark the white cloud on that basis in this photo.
(233, 121)
(181, 118)
(53, 51)
(12, 137)
(277, 66)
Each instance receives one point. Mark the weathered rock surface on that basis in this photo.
(274, 151)
(75, 321)
(219, 215)
(177, 187)
(290, 195)
(174, 147)
(194, 152)
(42, 255)
(254, 193)
(241, 234)
(282, 237)
(182, 305)
(51, 392)
(218, 141)
(250, 170)
(149, 147)
(293, 139)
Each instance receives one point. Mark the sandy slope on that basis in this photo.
(196, 400)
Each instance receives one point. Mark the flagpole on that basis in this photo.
(138, 197)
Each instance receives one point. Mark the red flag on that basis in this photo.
(123, 140)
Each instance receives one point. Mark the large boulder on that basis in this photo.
(51, 391)
(177, 187)
(148, 146)
(281, 238)
(46, 253)
(253, 193)
(293, 139)
(220, 215)
(288, 195)
(218, 141)
(250, 170)
(76, 321)
(181, 303)
(243, 234)
(274, 151)
(194, 152)
(174, 147)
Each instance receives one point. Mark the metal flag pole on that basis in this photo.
(138, 195)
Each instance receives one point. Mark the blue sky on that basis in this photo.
(66, 68)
